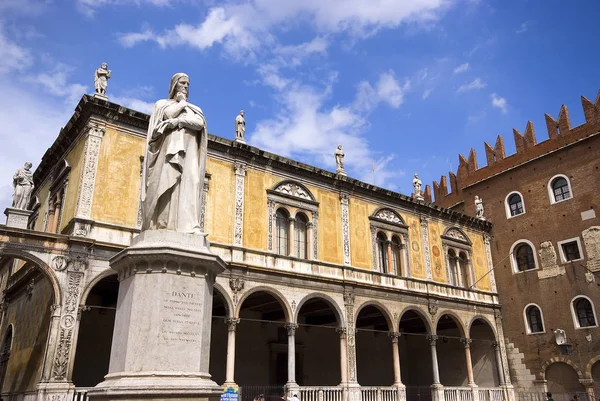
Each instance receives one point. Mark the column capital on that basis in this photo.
(342, 331)
(231, 323)
(432, 339)
(291, 328)
(394, 335)
(496, 345)
(466, 342)
(240, 168)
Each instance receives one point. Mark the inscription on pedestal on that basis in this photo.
(182, 314)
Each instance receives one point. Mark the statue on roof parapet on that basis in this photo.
(418, 193)
(240, 128)
(101, 78)
(339, 161)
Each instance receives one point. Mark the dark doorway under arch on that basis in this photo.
(415, 356)
(374, 360)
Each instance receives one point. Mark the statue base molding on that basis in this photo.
(161, 339)
(101, 97)
(240, 140)
(17, 218)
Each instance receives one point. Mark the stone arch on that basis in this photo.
(562, 359)
(459, 323)
(295, 189)
(287, 310)
(590, 365)
(381, 307)
(20, 254)
(86, 291)
(422, 314)
(334, 305)
(486, 320)
(226, 298)
(388, 215)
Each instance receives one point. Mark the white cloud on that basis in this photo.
(523, 28)
(56, 83)
(13, 57)
(499, 102)
(133, 103)
(242, 28)
(89, 7)
(387, 90)
(461, 68)
(427, 93)
(475, 84)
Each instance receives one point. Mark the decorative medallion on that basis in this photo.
(59, 263)
(436, 251)
(415, 246)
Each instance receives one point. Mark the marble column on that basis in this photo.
(396, 355)
(499, 362)
(343, 355)
(390, 266)
(230, 369)
(291, 329)
(434, 361)
(467, 344)
(292, 236)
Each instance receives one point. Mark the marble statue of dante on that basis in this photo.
(339, 159)
(417, 184)
(101, 79)
(479, 207)
(175, 162)
(240, 125)
(23, 185)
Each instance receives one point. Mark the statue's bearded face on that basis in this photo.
(182, 86)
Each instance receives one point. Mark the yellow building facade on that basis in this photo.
(317, 259)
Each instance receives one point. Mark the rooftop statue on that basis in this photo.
(101, 79)
(240, 127)
(23, 185)
(175, 162)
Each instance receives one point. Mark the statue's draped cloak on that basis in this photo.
(164, 171)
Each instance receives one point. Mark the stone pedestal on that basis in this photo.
(240, 140)
(101, 97)
(161, 340)
(17, 218)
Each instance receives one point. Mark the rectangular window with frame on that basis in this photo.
(571, 251)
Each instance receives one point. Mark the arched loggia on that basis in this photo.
(451, 351)
(415, 355)
(318, 343)
(262, 341)
(94, 340)
(483, 354)
(374, 359)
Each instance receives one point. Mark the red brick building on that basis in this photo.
(544, 203)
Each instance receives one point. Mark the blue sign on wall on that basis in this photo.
(230, 394)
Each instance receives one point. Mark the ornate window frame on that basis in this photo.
(456, 239)
(295, 198)
(528, 323)
(574, 312)
(551, 189)
(507, 206)
(513, 258)
(390, 223)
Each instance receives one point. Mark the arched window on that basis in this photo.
(523, 257)
(282, 226)
(515, 204)
(5, 355)
(300, 237)
(534, 319)
(559, 189)
(382, 252)
(463, 263)
(396, 255)
(584, 312)
(453, 268)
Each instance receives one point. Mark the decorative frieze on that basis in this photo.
(271, 218)
(205, 188)
(237, 285)
(238, 224)
(425, 234)
(315, 234)
(85, 193)
(344, 200)
(490, 264)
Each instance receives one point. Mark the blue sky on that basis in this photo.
(408, 84)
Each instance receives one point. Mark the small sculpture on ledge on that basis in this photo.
(101, 78)
(240, 128)
(479, 211)
(339, 161)
(23, 186)
(418, 194)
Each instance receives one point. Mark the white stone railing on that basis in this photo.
(458, 394)
(490, 394)
(314, 393)
(81, 394)
(380, 393)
